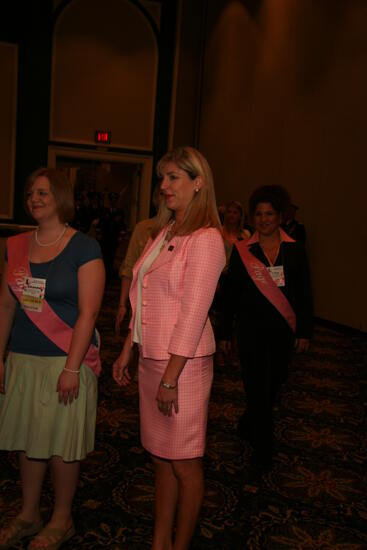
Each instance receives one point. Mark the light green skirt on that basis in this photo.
(33, 420)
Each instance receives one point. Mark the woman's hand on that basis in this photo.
(167, 398)
(68, 386)
(2, 377)
(91, 278)
(122, 371)
(302, 345)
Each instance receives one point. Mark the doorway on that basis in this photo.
(104, 172)
(112, 193)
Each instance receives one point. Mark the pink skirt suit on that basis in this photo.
(175, 294)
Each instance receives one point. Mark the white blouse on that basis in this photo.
(145, 266)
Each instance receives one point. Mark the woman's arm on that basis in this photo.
(7, 311)
(123, 370)
(205, 261)
(204, 264)
(137, 243)
(91, 280)
(124, 296)
(168, 396)
(231, 297)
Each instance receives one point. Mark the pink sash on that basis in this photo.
(49, 323)
(262, 279)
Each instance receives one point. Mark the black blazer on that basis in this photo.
(252, 310)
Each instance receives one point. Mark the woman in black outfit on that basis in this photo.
(269, 294)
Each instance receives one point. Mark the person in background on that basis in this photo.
(269, 294)
(51, 292)
(80, 221)
(246, 226)
(94, 210)
(232, 231)
(172, 289)
(221, 212)
(111, 224)
(136, 246)
(232, 226)
(293, 227)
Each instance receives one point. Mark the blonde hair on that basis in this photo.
(239, 207)
(202, 210)
(61, 189)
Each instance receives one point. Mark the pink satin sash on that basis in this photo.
(262, 279)
(48, 322)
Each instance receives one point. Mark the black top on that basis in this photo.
(253, 311)
(295, 230)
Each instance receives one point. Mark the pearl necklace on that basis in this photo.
(53, 242)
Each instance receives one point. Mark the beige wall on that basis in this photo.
(8, 100)
(278, 96)
(105, 63)
(284, 101)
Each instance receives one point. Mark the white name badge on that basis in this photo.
(277, 274)
(33, 293)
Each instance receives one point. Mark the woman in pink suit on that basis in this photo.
(172, 289)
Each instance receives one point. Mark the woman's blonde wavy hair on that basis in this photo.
(202, 211)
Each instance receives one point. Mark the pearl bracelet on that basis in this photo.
(168, 386)
(70, 370)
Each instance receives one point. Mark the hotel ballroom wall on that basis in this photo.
(271, 91)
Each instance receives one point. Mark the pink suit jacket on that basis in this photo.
(177, 293)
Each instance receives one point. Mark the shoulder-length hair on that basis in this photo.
(61, 189)
(238, 207)
(202, 210)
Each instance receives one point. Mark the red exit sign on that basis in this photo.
(102, 136)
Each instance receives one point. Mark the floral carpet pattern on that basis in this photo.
(314, 496)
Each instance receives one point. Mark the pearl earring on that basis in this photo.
(196, 190)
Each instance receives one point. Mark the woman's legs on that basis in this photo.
(190, 476)
(178, 484)
(264, 360)
(166, 494)
(65, 478)
(32, 472)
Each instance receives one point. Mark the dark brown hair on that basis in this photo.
(276, 195)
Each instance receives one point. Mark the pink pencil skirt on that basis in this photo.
(182, 435)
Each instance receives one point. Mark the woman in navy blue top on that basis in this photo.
(51, 292)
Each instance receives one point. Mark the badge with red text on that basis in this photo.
(277, 274)
(33, 293)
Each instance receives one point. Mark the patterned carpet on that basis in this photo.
(314, 497)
